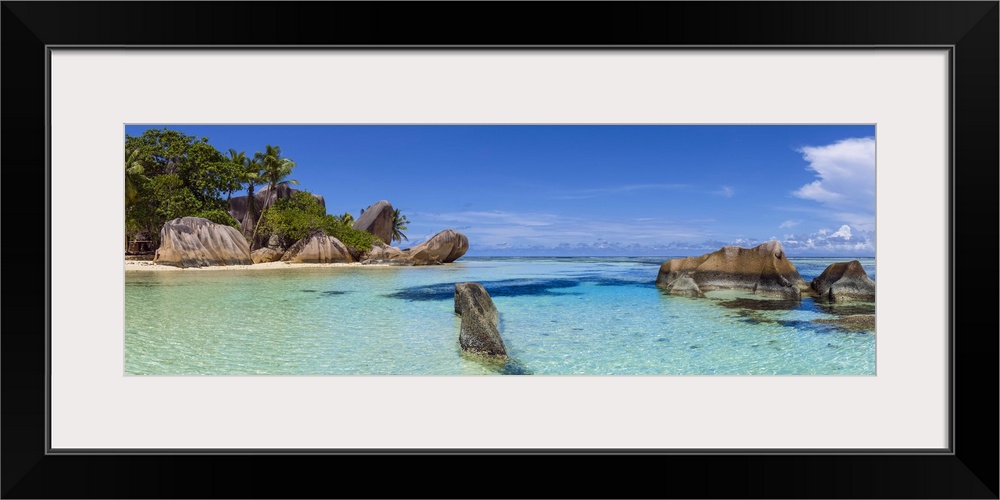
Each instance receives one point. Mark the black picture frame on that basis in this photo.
(969, 470)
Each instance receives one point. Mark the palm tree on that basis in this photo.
(275, 171)
(238, 162)
(399, 223)
(133, 177)
(250, 173)
(347, 219)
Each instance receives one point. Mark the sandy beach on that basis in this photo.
(145, 265)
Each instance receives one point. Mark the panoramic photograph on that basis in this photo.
(574, 250)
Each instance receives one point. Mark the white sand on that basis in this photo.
(145, 265)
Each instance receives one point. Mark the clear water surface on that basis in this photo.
(558, 316)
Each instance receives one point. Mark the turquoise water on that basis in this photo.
(558, 316)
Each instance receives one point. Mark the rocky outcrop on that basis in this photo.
(762, 270)
(269, 252)
(675, 277)
(238, 204)
(442, 248)
(385, 254)
(197, 242)
(844, 281)
(266, 254)
(377, 219)
(479, 333)
(318, 247)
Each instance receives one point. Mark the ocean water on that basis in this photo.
(558, 316)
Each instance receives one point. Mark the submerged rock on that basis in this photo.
(479, 332)
(853, 322)
(762, 270)
(197, 242)
(685, 286)
(844, 281)
(378, 220)
(318, 247)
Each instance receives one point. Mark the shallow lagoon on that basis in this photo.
(558, 316)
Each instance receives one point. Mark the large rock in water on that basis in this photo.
(377, 220)
(197, 242)
(762, 270)
(844, 281)
(442, 248)
(479, 332)
(318, 248)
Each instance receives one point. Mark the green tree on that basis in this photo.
(347, 219)
(235, 169)
(399, 223)
(174, 199)
(161, 150)
(133, 177)
(249, 170)
(170, 174)
(275, 170)
(208, 174)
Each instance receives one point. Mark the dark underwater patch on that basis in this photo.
(753, 318)
(514, 367)
(328, 293)
(151, 284)
(799, 324)
(515, 287)
(846, 308)
(763, 304)
(628, 278)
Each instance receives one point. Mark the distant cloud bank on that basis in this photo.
(844, 242)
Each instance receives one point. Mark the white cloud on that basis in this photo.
(789, 223)
(845, 182)
(844, 232)
(726, 191)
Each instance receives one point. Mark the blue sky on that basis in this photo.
(591, 189)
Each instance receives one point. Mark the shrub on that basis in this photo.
(219, 216)
(362, 240)
(296, 217)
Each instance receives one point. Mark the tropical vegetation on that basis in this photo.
(300, 215)
(399, 223)
(169, 174)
